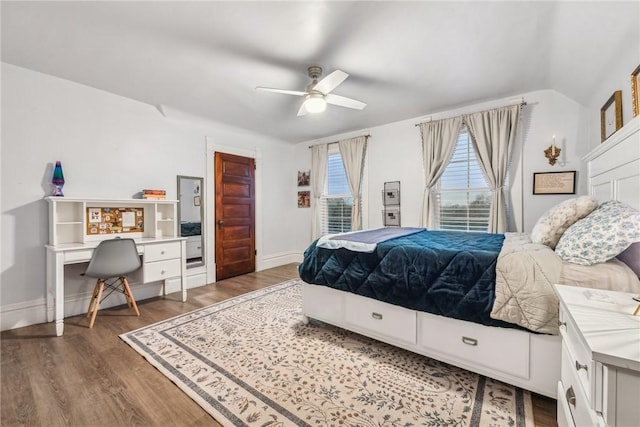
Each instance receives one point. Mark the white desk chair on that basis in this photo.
(112, 259)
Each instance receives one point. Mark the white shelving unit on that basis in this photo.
(162, 249)
(68, 218)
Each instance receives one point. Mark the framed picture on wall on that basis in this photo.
(635, 91)
(611, 115)
(303, 178)
(554, 182)
(304, 199)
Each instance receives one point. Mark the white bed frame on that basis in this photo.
(521, 358)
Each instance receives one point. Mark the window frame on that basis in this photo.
(468, 190)
(334, 149)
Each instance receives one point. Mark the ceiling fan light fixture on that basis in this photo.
(315, 103)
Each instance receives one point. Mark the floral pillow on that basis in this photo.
(556, 220)
(602, 235)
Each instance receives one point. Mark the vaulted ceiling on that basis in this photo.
(405, 59)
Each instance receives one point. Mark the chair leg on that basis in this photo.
(129, 295)
(95, 309)
(93, 297)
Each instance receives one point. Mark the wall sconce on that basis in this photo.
(552, 152)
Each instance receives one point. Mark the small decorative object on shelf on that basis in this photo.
(552, 152)
(611, 115)
(635, 91)
(57, 180)
(154, 194)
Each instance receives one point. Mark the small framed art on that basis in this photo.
(554, 182)
(303, 178)
(635, 91)
(304, 199)
(611, 115)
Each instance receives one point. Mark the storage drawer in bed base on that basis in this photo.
(524, 359)
(503, 349)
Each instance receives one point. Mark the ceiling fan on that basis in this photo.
(318, 95)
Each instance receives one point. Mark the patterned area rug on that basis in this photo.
(252, 361)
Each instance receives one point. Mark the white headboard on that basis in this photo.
(614, 166)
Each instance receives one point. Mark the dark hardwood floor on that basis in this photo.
(90, 377)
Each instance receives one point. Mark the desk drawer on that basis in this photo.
(381, 318)
(160, 270)
(82, 255)
(161, 251)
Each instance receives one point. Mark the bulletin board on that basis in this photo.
(114, 220)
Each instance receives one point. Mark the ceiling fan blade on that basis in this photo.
(343, 101)
(331, 82)
(286, 92)
(303, 109)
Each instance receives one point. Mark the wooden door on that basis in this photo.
(235, 215)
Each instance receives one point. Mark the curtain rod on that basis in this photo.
(335, 142)
(522, 103)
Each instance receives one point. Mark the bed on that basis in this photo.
(508, 329)
(188, 229)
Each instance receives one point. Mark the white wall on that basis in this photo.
(394, 153)
(110, 147)
(623, 58)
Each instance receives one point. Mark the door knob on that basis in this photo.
(220, 223)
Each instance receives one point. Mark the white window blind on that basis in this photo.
(463, 195)
(336, 200)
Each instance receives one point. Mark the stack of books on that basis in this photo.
(154, 194)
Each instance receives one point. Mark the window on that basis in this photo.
(463, 195)
(336, 200)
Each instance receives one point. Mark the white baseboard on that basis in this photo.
(21, 314)
(33, 312)
(277, 260)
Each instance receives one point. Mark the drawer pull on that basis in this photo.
(470, 341)
(161, 252)
(376, 316)
(163, 271)
(571, 396)
(581, 366)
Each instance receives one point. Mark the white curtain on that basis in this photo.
(493, 134)
(353, 151)
(438, 142)
(319, 156)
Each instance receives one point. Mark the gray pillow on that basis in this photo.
(631, 257)
(556, 220)
(602, 235)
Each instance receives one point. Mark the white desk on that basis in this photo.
(163, 258)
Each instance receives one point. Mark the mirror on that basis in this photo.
(190, 216)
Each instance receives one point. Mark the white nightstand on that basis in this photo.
(600, 374)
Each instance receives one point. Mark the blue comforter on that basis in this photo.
(449, 273)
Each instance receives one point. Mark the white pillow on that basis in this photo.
(603, 234)
(556, 220)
